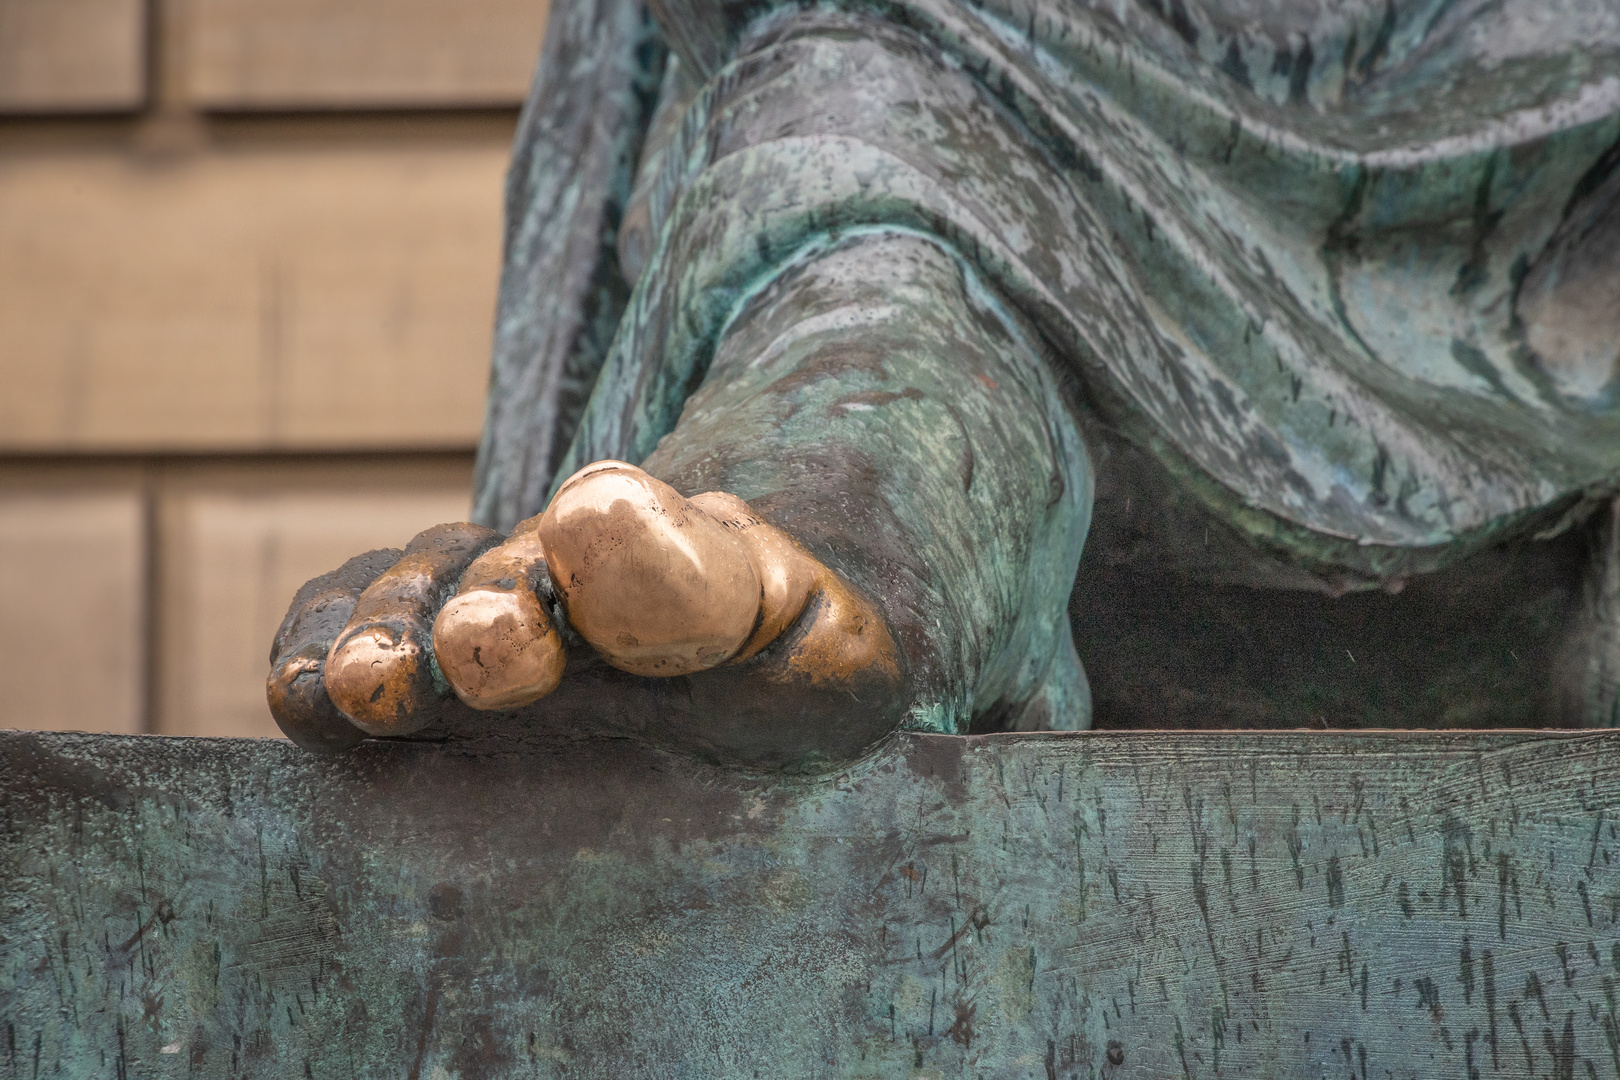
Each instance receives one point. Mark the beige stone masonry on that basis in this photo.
(311, 294)
(60, 56)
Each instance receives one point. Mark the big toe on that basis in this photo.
(656, 585)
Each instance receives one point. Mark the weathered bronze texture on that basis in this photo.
(846, 328)
(1303, 321)
(1118, 905)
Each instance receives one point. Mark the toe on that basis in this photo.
(831, 633)
(296, 692)
(842, 640)
(656, 585)
(786, 572)
(494, 641)
(379, 672)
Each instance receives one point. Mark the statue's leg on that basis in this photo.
(903, 449)
(884, 410)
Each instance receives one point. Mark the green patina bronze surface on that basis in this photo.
(1086, 905)
(1330, 293)
(1307, 312)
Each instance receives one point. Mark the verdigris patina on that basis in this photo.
(1121, 906)
(1309, 314)
(829, 334)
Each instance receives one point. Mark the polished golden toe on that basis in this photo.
(786, 572)
(498, 650)
(379, 673)
(664, 585)
(842, 639)
(494, 641)
(301, 706)
(656, 585)
(371, 677)
(838, 635)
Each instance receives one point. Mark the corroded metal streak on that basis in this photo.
(1073, 905)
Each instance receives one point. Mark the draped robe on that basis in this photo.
(1349, 271)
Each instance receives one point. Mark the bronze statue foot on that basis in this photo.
(658, 584)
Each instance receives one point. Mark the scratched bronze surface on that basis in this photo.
(1061, 905)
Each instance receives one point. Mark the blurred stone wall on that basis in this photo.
(248, 257)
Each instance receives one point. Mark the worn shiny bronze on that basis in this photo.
(493, 639)
(303, 708)
(656, 585)
(370, 674)
(378, 673)
(664, 585)
(840, 635)
(785, 571)
(296, 690)
(844, 638)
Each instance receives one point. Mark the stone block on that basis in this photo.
(285, 54)
(66, 56)
(72, 602)
(295, 294)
